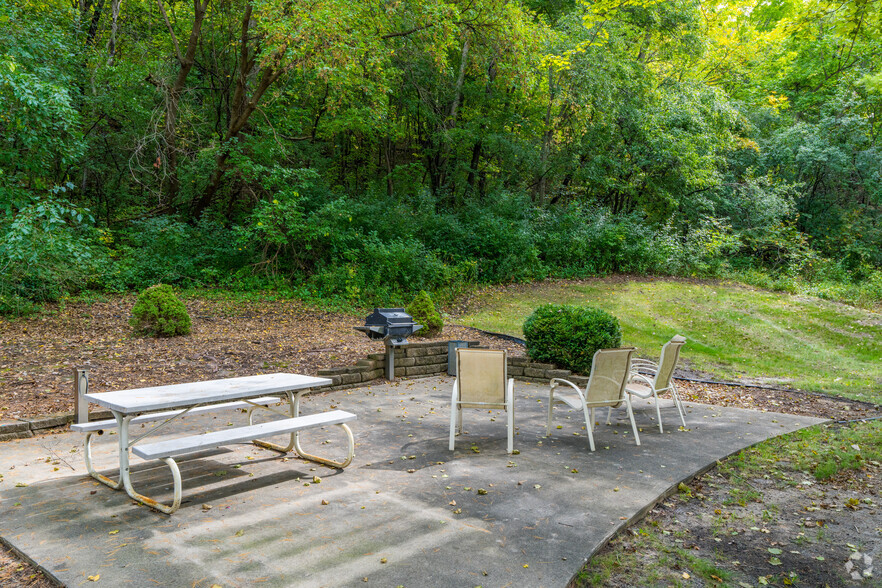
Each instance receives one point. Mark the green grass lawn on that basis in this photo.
(734, 332)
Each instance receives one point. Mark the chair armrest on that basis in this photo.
(555, 382)
(644, 366)
(643, 363)
(640, 378)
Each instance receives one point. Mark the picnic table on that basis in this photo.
(167, 403)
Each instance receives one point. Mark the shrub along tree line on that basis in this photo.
(570, 335)
(364, 151)
(424, 313)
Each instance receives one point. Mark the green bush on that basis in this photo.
(48, 249)
(159, 313)
(569, 335)
(166, 250)
(423, 311)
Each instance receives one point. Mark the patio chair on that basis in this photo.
(481, 382)
(649, 379)
(610, 370)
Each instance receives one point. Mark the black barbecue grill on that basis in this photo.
(393, 326)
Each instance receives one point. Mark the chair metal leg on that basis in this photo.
(454, 411)
(590, 439)
(658, 412)
(679, 404)
(510, 430)
(631, 416)
(509, 401)
(588, 425)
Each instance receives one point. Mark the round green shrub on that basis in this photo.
(423, 311)
(159, 313)
(569, 335)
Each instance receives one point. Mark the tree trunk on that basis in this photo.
(111, 42)
(268, 76)
(450, 123)
(542, 184)
(173, 93)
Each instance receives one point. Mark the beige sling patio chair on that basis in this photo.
(610, 370)
(481, 382)
(649, 379)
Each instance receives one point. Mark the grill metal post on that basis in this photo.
(390, 360)
(81, 388)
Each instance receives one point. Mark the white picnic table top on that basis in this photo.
(139, 400)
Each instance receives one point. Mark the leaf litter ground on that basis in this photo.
(236, 338)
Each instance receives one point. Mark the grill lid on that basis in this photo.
(389, 316)
(389, 323)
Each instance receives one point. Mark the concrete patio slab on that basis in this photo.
(407, 512)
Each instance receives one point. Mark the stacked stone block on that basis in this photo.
(430, 359)
(412, 360)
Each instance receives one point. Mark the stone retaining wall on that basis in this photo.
(430, 359)
(412, 361)
(26, 426)
(416, 360)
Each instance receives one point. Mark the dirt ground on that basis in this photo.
(238, 338)
(790, 531)
(38, 354)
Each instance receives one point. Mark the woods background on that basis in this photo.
(359, 151)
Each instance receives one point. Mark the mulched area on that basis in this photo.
(229, 339)
(772, 400)
(244, 337)
(794, 531)
(17, 573)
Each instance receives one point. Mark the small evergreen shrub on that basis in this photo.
(159, 313)
(423, 311)
(569, 335)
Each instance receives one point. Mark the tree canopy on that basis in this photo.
(368, 150)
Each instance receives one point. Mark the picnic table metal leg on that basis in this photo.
(328, 462)
(125, 474)
(115, 484)
(292, 408)
(294, 443)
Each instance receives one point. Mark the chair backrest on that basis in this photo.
(668, 361)
(610, 370)
(481, 376)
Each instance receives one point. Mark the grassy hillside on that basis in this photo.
(734, 332)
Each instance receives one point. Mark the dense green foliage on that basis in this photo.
(363, 151)
(570, 335)
(423, 311)
(159, 313)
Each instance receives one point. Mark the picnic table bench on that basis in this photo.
(167, 403)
